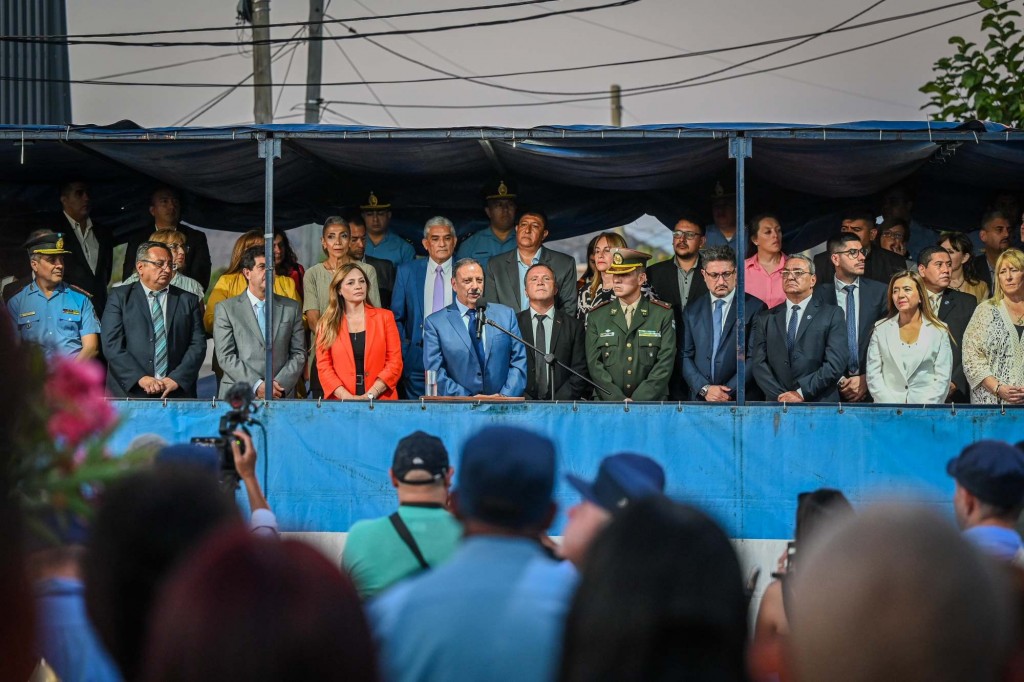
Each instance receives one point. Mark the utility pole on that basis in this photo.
(616, 106)
(314, 60)
(262, 97)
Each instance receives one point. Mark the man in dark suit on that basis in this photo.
(165, 207)
(798, 348)
(708, 356)
(869, 301)
(506, 272)
(995, 235)
(554, 332)
(954, 308)
(423, 287)
(386, 271)
(678, 281)
(152, 333)
(879, 265)
(89, 265)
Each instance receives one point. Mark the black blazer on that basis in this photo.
(664, 281)
(568, 343)
(76, 267)
(873, 304)
(819, 356)
(695, 357)
(880, 265)
(127, 340)
(197, 260)
(955, 311)
(386, 274)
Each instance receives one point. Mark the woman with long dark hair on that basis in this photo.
(286, 262)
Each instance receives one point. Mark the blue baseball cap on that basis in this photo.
(992, 471)
(621, 480)
(202, 457)
(506, 476)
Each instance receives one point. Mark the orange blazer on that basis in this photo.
(382, 359)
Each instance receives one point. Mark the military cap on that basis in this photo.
(375, 203)
(501, 189)
(722, 193)
(625, 261)
(48, 244)
(992, 471)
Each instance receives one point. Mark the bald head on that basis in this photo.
(896, 594)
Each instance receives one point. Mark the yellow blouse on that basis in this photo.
(232, 285)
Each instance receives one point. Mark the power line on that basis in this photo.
(368, 87)
(274, 41)
(287, 71)
(200, 60)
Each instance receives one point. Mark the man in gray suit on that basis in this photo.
(506, 272)
(239, 326)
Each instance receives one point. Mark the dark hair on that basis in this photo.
(249, 256)
(989, 216)
(960, 243)
(661, 593)
(356, 217)
(146, 524)
(691, 217)
(890, 223)
(164, 188)
(717, 253)
(753, 225)
(144, 247)
(860, 214)
(817, 509)
(533, 211)
(289, 261)
(65, 186)
(837, 242)
(925, 256)
(250, 608)
(539, 265)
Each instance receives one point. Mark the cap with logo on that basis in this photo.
(420, 451)
(992, 471)
(622, 479)
(722, 194)
(375, 203)
(502, 189)
(48, 244)
(625, 261)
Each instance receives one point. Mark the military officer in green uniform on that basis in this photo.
(631, 340)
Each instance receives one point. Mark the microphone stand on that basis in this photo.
(549, 358)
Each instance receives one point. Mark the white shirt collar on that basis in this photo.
(149, 291)
(841, 285)
(549, 313)
(727, 298)
(802, 303)
(74, 223)
(432, 265)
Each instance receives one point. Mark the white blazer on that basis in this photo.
(927, 377)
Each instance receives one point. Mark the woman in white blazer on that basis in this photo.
(910, 359)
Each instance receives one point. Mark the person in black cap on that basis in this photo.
(622, 479)
(498, 238)
(421, 534)
(381, 242)
(989, 496)
(49, 312)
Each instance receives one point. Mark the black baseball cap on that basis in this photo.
(420, 451)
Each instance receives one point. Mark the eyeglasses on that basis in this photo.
(898, 236)
(158, 264)
(853, 253)
(793, 274)
(688, 236)
(720, 275)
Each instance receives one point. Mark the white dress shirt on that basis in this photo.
(548, 320)
(428, 284)
(87, 238)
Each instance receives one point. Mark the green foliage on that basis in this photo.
(984, 83)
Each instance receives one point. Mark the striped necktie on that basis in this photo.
(159, 336)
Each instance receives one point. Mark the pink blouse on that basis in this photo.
(764, 285)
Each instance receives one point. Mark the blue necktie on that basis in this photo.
(851, 330)
(794, 321)
(716, 333)
(159, 336)
(478, 343)
(261, 318)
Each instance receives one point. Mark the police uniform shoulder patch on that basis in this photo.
(667, 306)
(79, 290)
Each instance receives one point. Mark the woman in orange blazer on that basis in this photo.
(358, 350)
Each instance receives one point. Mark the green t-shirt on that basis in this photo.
(376, 557)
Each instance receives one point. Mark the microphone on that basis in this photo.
(480, 320)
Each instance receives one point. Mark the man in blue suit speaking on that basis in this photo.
(472, 359)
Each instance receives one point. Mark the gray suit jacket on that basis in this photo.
(241, 352)
(502, 279)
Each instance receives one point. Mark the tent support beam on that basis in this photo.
(739, 149)
(269, 149)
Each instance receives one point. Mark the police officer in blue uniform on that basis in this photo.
(380, 241)
(48, 312)
(499, 236)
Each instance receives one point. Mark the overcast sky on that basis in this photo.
(876, 83)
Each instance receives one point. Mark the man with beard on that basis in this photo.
(995, 235)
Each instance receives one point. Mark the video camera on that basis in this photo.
(240, 400)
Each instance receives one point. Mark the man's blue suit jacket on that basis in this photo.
(448, 350)
(407, 305)
(698, 333)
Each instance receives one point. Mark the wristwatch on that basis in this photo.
(704, 391)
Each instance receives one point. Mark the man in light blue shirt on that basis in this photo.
(499, 236)
(382, 243)
(989, 497)
(496, 610)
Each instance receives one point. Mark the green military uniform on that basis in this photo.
(632, 361)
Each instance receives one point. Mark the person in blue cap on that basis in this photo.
(622, 479)
(989, 496)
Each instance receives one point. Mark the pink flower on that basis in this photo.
(80, 409)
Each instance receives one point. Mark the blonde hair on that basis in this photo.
(330, 323)
(615, 240)
(246, 241)
(169, 237)
(1016, 259)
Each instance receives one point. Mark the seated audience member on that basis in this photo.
(961, 252)
(995, 235)
(232, 283)
(897, 206)
(651, 609)
(555, 332)
(879, 264)
(165, 207)
(468, 357)
(152, 333)
(816, 511)
(622, 480)
(286, 262)
(500, 206)
(506, 271)
(48, 312)
(384, 271)
(240, 336)
(910, 357)
(90, 261)
(993, 347)
(722, 230)
(989, 497)
(420, 535)
(358, 351)
(798, 349)
(763, 270)
(423, 287)
(495, 609)
(175, 241)
(595, 288)
(382, 243)
(708, 358)
(249, 608)
(953, 308)
(631, 341)
(895, 594)
(894, 235)
(146, 524)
